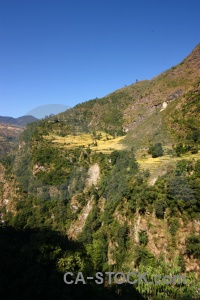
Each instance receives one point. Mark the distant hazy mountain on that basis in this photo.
(21, 121)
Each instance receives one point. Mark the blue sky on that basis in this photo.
(70, 51)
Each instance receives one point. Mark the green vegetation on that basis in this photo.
(193, 245)
(156, 150)
(50, 180)
(74, 197)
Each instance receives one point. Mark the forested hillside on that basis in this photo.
(10, 129)
(111, 185)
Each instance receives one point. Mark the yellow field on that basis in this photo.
(157, 166)
(161, 165)
(106, 144)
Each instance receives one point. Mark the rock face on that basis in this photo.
(77, 226)
(93, 175)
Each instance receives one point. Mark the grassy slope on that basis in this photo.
(106, 144)
(161, 165)
(136, 109)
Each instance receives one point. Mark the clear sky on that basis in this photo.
(70, 51)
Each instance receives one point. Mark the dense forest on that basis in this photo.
(50, 194)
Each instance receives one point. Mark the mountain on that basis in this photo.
(21, 121)
(111, 185)
(10, 130)
(148, 111)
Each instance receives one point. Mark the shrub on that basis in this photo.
(156, 150)
(143, 238)
(160, 209)
(193, 245)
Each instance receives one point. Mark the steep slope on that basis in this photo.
(146, 110)
(69, 175)
(9, 135)
(10, 130)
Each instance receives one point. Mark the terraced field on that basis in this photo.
(161, 165)
(105, 143)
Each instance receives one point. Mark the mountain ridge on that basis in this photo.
(124, 110)
(20, 121)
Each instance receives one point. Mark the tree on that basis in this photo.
(156, 150)
(180, 149)
(193, 245)
(143, 237)
(160, 209)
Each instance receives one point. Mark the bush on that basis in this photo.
(156, 150)
(160, 209)
(173, 226)
(143, 238)
(193, 245)
(143, 257)
(180, 149)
